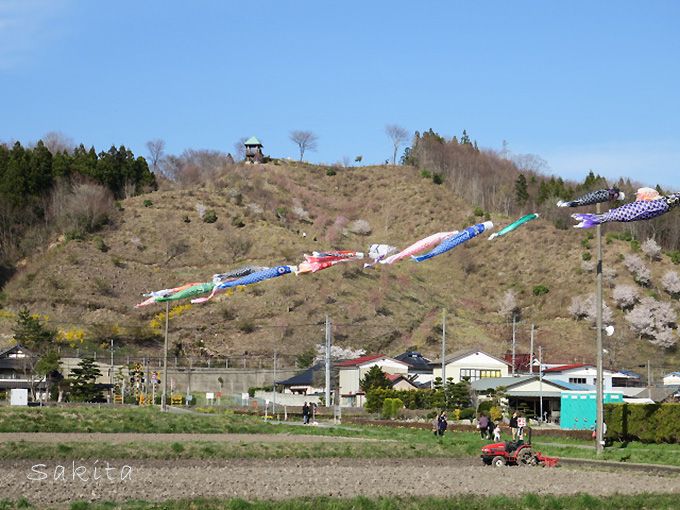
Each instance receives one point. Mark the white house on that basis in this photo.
(471, 365)
(353, 370)
(582, 373)
(672, 379)
(419, 367)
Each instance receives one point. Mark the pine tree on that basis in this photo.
(374, 378)
(521, 190)
(83, 386)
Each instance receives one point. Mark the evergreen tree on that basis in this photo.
(465, 139)
(29, 332)
(374, 378)
(83, 386)
(521, 190)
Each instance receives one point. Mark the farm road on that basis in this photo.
(289, 478)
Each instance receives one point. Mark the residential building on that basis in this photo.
(672, 379)
(402, 382)
(16, 369)
(352, 371)
(419, 367)
(307, 382)
(583, 373)
(471, 365)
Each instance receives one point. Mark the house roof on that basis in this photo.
(489, 383)
(659, 393)
(677, 374)
(463, 353)
(252, 141)
(304, 378)
(360, 361)
(16, 348)
(564, 368)
(414, 360)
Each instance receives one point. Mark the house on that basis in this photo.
(583, 373)
(419, 367)
(471, 365)
(402, 382)
(307, 382)
(352, 371)
(530, 393)
(253, 150)
(16, 369)
(671, 379)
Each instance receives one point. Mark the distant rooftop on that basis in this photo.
(252, 141)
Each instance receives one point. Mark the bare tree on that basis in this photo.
(56, 141)
(240, 148)
(305, 140)
(156, 150)
(398, 135)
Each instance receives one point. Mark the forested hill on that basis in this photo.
(88, 240)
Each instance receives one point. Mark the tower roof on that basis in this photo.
(252, 141)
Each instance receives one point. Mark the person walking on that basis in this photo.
(483, 425)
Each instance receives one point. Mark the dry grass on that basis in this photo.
(389, 308)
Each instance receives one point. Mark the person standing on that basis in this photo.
(513, 425)
(442, 424)
(305, 413)
(489, 429)
(483, 425)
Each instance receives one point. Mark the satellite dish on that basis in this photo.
(609, 330)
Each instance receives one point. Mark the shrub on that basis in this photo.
(478, 211)
(331, 172)
(426, 174)
(246, 326)
(586, 256)
(675, 256)
(438, 178)
(467, 413)
(540, 290)
(210, 216)
(100, 244)
(147, 203)
(651, 249)
(391, 407)
(648, 423)
(635, 245)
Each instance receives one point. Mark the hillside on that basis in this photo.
(272, 214)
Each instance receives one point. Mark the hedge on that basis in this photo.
(421, 399)
(648, 423)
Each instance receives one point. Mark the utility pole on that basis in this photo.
(113, 392)
(649, 379)
(598, 387)
(513, 343)
(540, 379)
(164, 397)
(531, 353)
(274, 388)
(328, 361)
(444, 348)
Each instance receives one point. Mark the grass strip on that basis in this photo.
(468, 502)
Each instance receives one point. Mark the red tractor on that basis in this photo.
(515, 453)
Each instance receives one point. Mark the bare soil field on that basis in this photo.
(291, 478)
(59, 437)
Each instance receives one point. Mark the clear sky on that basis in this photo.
(584, 84)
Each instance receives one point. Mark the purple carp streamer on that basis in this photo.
(634, 211)
(595, 197)
(455, 240)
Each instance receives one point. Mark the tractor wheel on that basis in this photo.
(525, 458)
(498, 461)
(487, 462)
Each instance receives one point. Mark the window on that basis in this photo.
(577, 380)
(474, 374)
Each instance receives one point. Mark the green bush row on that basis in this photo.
(391, 407)
(648, 423)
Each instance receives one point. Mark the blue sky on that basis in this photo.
(585, 85)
